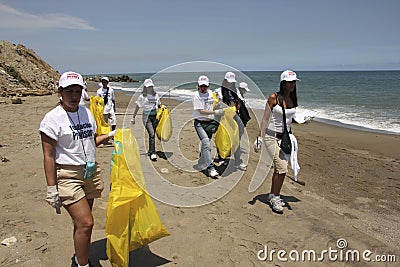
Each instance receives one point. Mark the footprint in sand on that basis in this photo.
(252, 217)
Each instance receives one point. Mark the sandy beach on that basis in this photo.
(351, 192)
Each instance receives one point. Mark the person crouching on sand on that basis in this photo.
(272, 133)
(150, 102)
(68, 134)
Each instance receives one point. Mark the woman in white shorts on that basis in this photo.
(68, 134)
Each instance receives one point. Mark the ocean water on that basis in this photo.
(365, 100)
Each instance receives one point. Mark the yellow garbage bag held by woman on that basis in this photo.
(227, 135)
(164, 126)
(132, 220)
(97, 108)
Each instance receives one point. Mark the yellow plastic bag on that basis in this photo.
(132, 220)
(227, 135)
(164, 126)
(97, 108)
(216, 100)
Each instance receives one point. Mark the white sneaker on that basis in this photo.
(212, 173)
(269, 196)
(276, 204)
(241, 166)
(153, 157)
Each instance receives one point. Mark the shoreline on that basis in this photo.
(316, 119)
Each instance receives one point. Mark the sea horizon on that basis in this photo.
(358, 99)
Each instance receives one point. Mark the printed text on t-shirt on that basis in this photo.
(80, 131)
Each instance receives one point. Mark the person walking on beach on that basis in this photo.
(272, 132)
(84, 97)
(204, 123)
(107, 93)
(68, 136)
(150, 102)
(243, 89)
(228, 94)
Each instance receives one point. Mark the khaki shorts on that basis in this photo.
(278, 159)
(72, 187)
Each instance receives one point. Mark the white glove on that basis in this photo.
(112, 133)
(258, 144)
(219, 112)
(52, 196)
(133, 120)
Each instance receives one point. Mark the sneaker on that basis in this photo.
(270, 196)
(241, 166)
(212, 173)
(276, 204)
(153, 157)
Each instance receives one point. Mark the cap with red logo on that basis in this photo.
(230, 77)
(71, 78)
(203, 80)
(289, 76)
(244, 86)
(148, 83)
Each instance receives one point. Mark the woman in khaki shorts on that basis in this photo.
(68, 134)
(272, 133)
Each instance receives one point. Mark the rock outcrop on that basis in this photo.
(122, 78)
(23, 72)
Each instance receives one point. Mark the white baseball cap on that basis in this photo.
(71, 78)
(105, 79)
(289, 76)
(148, 83)
(203, 80)
(244, 86)
(230, 77)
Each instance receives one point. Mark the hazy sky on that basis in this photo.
(148, 36)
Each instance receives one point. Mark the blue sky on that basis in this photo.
(148, 36)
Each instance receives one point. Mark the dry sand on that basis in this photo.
(352, 188)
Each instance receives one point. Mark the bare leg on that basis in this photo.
(81, 214)
(277, 182)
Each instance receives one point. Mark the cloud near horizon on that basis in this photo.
(12, 18)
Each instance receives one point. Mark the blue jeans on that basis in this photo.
(150, 123)
(205, 160)
(238, 153)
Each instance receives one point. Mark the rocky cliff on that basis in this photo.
(23, 72)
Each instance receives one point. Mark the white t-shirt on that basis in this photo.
(239, 94)
(149, 102)
(74, 135)
(219, 93)
(109, 108)
(83, 97)
(276, 120)
(202, 102)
